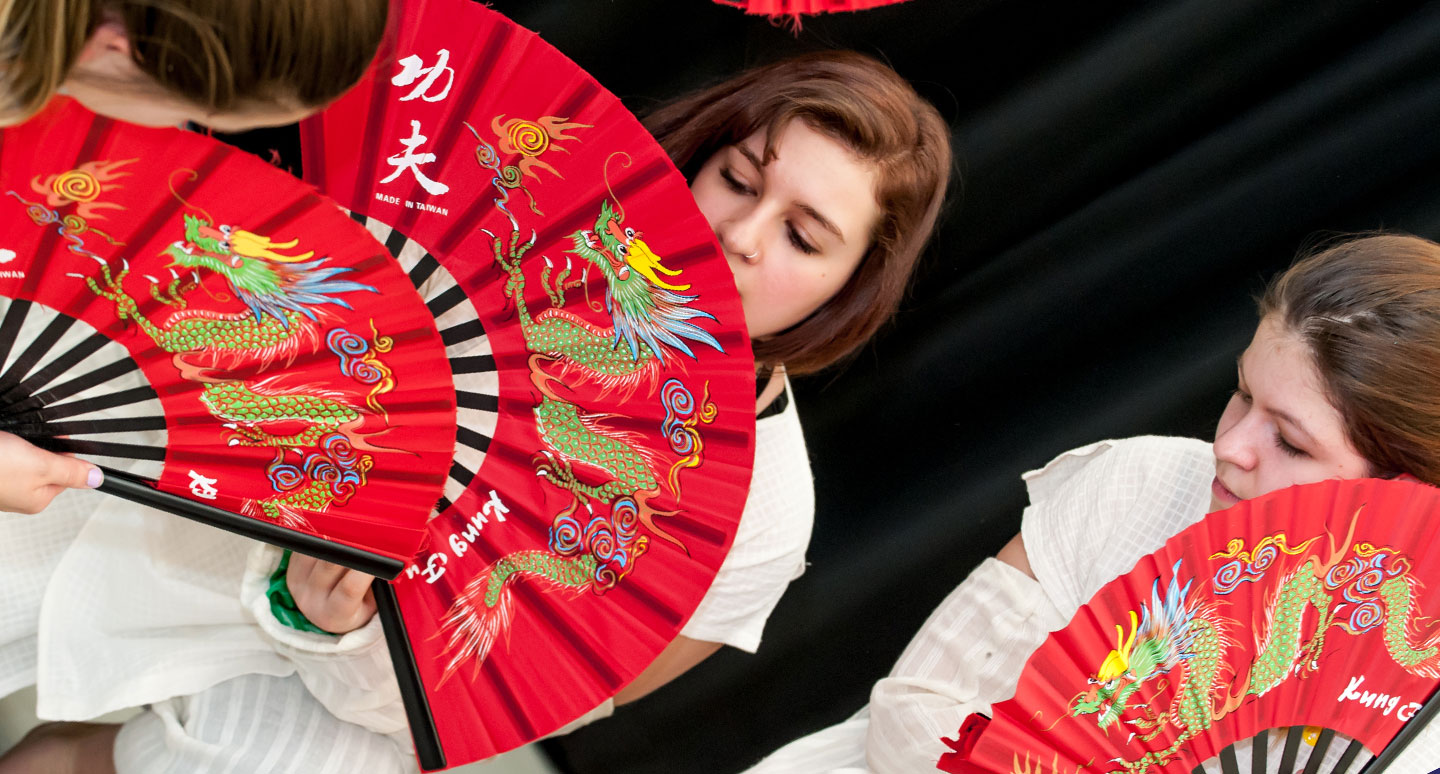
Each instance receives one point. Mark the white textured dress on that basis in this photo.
(133, 607)
(1093, 513)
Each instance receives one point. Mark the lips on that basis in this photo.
(1223, 493)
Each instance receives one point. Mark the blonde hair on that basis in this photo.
(214, 53)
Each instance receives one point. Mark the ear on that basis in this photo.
(109, 39)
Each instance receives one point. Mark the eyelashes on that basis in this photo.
(799, 241)
(793, 234)
(1283, 445)
(734, 184)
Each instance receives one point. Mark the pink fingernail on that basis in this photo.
(94, 477)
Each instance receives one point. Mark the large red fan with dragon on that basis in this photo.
(1312, 606)
(220, 336)
(607, 405)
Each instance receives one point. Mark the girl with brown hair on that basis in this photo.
(224, 64)
(1341, 381)
(822, 177)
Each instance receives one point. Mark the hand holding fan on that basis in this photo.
(606, 392)
(204, 321)
(1311, 606)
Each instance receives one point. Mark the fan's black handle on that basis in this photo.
(141, 491)
(417, 708)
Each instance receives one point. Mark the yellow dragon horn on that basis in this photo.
(1118, 661)
(253, 245)
(645, 261)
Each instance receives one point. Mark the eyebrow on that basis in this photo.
(824, 222)
(1279, 413)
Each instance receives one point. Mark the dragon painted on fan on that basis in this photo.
(651, 322)
(1187, 640)
(285, 295)
(652, 326)
(1174, 635)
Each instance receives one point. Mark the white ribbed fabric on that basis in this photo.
(218, 731)
(33, 546)
(145, 606)
(967, 656)
(1094, 512)
(352, 677)
(342, 690)
(769, 547)
(141, 607)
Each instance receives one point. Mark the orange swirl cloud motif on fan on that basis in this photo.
(530, 139)
(82, 186)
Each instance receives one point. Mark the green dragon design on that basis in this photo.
(285, 297)
(1184, 639)
(652, 328)
(1176, 636)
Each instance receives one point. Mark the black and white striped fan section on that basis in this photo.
(477, 383)
(1295, 750)
(68, 388)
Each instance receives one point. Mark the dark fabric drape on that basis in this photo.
(1132, 172)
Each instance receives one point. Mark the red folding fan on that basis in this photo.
(607, 403)
(794, 8)
(221, 332)
(1312, 606)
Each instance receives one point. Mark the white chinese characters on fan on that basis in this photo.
(203, 486)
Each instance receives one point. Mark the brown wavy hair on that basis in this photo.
(1368, 309)
(217, 54)
(867, 107)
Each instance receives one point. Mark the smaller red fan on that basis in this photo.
(221, 337)
(793, 8)
(1310, 606)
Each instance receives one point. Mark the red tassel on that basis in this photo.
(956, 761)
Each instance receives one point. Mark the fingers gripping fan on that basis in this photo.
(245, 353)
(1310, 607)
(604, 376)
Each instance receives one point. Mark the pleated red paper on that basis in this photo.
(801, 7)
(591, 502)
(1311, 606)
(182, 310)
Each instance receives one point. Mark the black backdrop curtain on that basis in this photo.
(1131, 173)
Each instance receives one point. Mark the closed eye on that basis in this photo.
(799, 241)
(1288, 448)
(733, 183)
